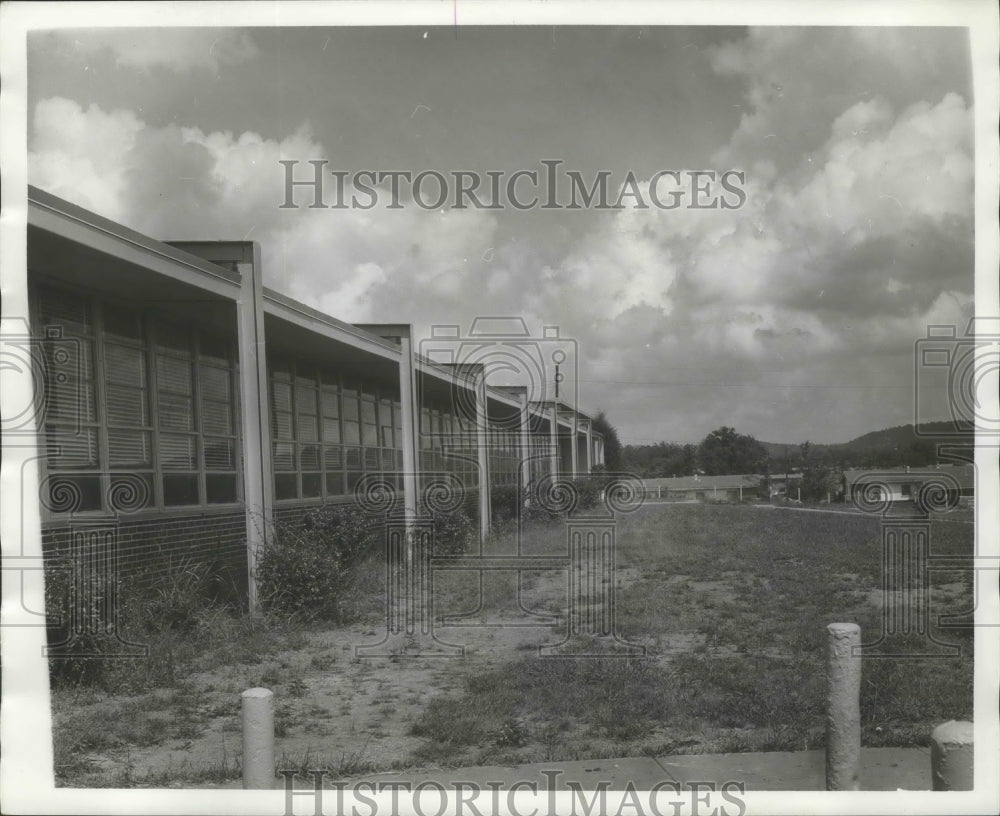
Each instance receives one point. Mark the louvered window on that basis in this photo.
(125, 426)
(328, 431)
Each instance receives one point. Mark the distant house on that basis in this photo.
(784, 484)
(905, 484)
(705, 488)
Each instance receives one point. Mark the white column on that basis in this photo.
(483, 452)
(409, 412)
(573, 452)
(843, 714)
(258, 738)
(258, 489)
(590, 447)
(554, 441)
(952, 757)
(525, 445)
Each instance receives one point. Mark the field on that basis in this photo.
(729, 603)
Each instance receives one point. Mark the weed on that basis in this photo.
(296, 687)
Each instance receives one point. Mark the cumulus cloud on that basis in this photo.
(856, 235)
(78, 154)
(178, 182)
(794, 314)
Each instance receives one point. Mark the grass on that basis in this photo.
(730, 602)
(757, 589)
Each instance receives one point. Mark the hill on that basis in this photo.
(890, 447)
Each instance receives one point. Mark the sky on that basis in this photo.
(791, 317)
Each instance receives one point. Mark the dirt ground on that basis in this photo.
(352, 714)
(335, 709)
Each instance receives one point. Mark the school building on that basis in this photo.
(191, 407)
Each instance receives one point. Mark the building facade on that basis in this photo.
(190, 407)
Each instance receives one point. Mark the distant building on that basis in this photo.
(784, 485)
(705, 488)
(905, 484)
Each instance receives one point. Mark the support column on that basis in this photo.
(409, 411)
(590, 447)
(554, 441)
(483, 454)
(258, 489)
(525, 447)
(573, 452)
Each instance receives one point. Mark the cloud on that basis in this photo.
(82, 154)
(798, 80)
(178, 182)
(177, 49)
(855, 235)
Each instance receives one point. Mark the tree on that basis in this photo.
(724, 451)
(661, 459)
(612, 445)
(805, 449)
(818, 482)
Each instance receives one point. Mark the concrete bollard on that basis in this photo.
(951, 756)
(258, 739)
(843, 708)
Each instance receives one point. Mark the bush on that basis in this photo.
(453, 533)
(306, 567)
(73, 660)
(588, 490)
(504, 502)
(155, 615)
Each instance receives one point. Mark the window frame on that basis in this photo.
(148, 318)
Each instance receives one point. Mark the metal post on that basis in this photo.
(409, 421)
(574, 458)
(554, 442)
(843, 707)
(258, 739)
(525, 447)
(256, 431)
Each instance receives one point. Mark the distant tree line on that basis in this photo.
(724, 451)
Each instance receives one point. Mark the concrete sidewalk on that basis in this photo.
(885, 769)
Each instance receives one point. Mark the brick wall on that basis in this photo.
(156, 548)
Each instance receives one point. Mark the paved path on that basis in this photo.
(848, 513)
(885, 769)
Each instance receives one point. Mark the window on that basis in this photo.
(144, 414)
(126, 390)
(505, 455)
(328, 431)
(75, 481)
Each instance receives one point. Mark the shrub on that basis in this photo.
(534, 510)
(453, 533)
(307, 566)
(504, 502)
(131, 629)
(73, 660)
(588, 490)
